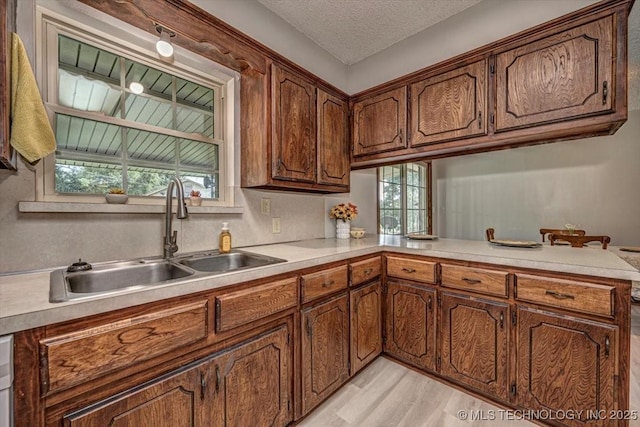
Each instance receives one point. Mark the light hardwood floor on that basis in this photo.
(387, 394)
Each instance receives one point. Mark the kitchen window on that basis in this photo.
(123, 118)
(404, 204)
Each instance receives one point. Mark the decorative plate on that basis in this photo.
(516, 243)
(421, 236)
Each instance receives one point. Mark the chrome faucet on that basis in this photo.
(170, 239)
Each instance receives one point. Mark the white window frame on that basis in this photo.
(137, 46)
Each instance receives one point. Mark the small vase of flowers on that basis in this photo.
(343, 213)
(195, 198)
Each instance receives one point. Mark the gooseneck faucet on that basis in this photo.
(170, 238)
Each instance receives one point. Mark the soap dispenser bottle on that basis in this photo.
(224, 240)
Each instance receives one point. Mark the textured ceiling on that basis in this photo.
(352, 30)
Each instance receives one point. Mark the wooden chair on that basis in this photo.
(545, 231)
(490, 234)
(579, 241)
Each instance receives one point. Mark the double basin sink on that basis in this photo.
(112, 277)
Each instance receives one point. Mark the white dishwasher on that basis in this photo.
(6, 381)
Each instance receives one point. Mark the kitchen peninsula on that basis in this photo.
(383, 294)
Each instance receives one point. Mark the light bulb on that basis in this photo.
(163, 46)
(136, 87)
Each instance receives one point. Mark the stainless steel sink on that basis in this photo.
(112, 277)
(215, 262)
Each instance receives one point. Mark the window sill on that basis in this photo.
(91, 208)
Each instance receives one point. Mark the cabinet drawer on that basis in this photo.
(77, 357)
(363, 271)
(324, 282)
(412, 269)
(569, 294)
(244, 306)
(491, 282)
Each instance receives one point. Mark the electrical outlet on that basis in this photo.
(265, 205)
(275, 225)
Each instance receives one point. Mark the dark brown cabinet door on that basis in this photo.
(251, 384)
(379, 123)
(452, 105)
(333, 145)
(8, 158)
(294, 127)
(566, 364)
(474, 343)
(366, 325)
(325, 350)
(560, 77)
(175, 400)
(410, 324)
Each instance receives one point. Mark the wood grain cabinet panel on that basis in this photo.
(566, 364)
(411, 269)
(366, 325)
(237, 308)
(325, 282)
(561, 77)
(380, 122)
(475, 343)
(174, 400)
(568, 294)
(449, 106)
(490, 282)
(365, 270)
(251, 385)
(333, 143)
(294, 127)
(77, 357)
(325, 350)
(410, 322)
(8, 156)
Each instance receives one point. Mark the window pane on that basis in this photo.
(154, 105)
(148, 181)
(391, 221)
(194, 109)
(87, 137)
(206, 184)
(88, 78)
(198, 154)
(86, 177)
(151, 147)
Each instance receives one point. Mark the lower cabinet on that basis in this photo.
(567, 364)
(366, 325)
(475, 343)
(247, 385)
(410, 333)
(325, 350)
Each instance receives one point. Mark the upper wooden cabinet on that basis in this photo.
(294, 127)
(302, 145)
(557, 78)
(563, 79)
(380, 123)
(333, 143)
(450, 105)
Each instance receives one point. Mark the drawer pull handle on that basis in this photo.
(471, 281)
(607, 346)
(409, 270)
(368, 271)
(327, 284)
(203, 385)
(558, 295)
(217, 379)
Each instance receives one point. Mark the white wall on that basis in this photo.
(592, 183)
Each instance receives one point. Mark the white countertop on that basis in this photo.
(24, 298)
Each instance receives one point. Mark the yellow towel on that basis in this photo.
(31, 133)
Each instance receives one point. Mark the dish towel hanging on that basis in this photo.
(31, 133)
